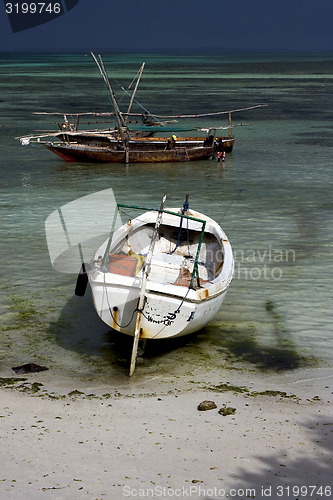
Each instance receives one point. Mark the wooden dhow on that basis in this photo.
(128, 143)
(107, 148)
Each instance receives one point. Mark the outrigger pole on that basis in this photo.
(146, 271)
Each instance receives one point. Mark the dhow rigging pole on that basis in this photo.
(123, 130)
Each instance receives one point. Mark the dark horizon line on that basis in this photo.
(169, 50)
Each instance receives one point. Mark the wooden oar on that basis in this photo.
(145, 273)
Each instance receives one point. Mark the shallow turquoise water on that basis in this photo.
(272, 196)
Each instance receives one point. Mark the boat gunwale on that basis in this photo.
(185, 293)
(220, 283)
(75, 146)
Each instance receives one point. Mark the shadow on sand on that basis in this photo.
(299, 476)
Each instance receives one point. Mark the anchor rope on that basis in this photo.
(166, 321)
(170, 315)
(177, 311)
(111, 313)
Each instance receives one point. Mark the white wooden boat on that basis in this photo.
(163, 274)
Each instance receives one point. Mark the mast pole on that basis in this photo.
(134, 92)
(120, 120)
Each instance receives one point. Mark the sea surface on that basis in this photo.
(272, 196)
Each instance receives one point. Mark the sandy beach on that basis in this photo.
(92, 443)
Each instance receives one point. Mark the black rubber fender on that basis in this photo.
(82, 281)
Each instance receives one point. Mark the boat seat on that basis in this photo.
(165, 268)
(167, 259)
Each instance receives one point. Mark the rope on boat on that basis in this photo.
(147, 112)
(171, 316)
(164, 321)
(130, 85)
(111, 313)
(180, 239)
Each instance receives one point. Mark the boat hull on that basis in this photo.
(164, 315)
(176, 303)
(151, 150)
